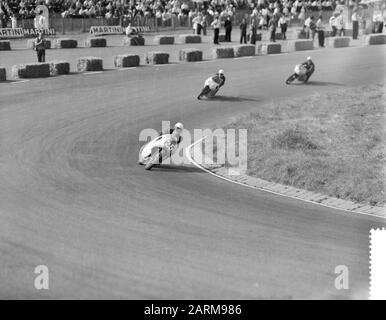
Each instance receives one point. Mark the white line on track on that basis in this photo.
(19, 81)
(276, 54)
(242, 58)
(124, 69)
(187, 153)
(92, 72)
(165, 65)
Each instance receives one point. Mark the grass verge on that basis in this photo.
(331, 143)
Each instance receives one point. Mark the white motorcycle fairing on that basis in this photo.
(163, 141)
(213, 85)
(300, 70)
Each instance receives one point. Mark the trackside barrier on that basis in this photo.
(137, 41)
(327, 33)
(302, 34)
(224, 52)
(269, 48)
(188, 38)
(66, 43)
(97, 42)
(31, 43)
(221, 38)
(157, 57)
(340, 42)
(126, 60)
(244, 50)
(59, 68)
(89, 64)
(39, 70)
(3, 74)
(375, 39)
(297, 45)
(190, 55)
(163, 40)
(5, 45)
(31, 70)
(301, 45)
(133, 41)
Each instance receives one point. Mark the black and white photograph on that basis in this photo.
(221, 151)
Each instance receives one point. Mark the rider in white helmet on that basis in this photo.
(175, 132)
(221, 77)
(310, 66)
(175, 140)
(218, 78)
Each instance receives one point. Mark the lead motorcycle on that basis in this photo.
(301, 73)
(210, 89)
(156, 151)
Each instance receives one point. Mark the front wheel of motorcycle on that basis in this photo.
(149, 165)
(290, 79)
(152, 161)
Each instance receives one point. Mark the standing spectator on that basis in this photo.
(14, 21)
(302, 15)
(355, 24)
(283, 26)
(40, 20)
(243, 31)
(320, 31)
(197, 26)
(312, 28)
(228, 29)
(272, 29)
(216, 24)
(253, 30)
(307, 26)
(265, 17)
(204, 23)
(293, 11)
(129, 30)
(340, 24)
(332, 23)
(40, 47)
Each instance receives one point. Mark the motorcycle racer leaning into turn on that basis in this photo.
(168, 141)
(175, 138)
(217, 79)
(310, 67)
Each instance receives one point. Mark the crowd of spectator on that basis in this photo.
(163, 9)
(182, 11)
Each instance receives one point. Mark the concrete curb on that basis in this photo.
(288, 191)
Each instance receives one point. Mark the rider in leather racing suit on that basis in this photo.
(310, 67)
(218, 78)
(175, 132)
(176, 138)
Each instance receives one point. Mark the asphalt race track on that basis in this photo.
(74, 199)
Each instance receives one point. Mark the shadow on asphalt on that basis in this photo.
(175, 168)
(317, 83)
(231, 99)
